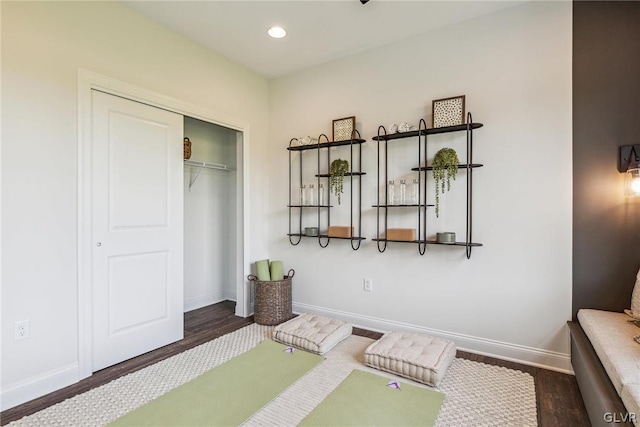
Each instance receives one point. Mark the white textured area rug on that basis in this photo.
(476, 394)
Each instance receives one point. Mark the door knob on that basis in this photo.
(99, 244)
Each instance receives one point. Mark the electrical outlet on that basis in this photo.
(368, 284)
(22, 330)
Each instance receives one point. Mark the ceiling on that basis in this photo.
(318, 31)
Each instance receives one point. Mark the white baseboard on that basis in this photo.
(34, 387)
(540, 358)
(203, 300)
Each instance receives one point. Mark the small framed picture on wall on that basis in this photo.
(343, 128)
(448, 112)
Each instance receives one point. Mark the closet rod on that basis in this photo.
(204, 165)
(207, 165)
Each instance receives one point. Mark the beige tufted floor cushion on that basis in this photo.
(316, 334)
(418, 357)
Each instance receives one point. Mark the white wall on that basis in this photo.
(209, 217)
(513, 297)
(43, 44)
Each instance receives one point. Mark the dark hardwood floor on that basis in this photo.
(559, 400)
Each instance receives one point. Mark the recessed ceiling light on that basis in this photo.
(277, 32)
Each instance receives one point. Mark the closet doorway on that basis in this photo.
(210, 214)
(211, 222)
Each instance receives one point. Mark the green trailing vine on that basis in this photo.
(445, 167)
(337, 170)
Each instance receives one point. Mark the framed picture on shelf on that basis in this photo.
(448, 112)
(343, 128)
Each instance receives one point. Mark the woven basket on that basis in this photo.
(273, 300)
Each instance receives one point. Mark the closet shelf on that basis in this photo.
(205, 165)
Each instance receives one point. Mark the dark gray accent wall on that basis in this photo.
(606, 114)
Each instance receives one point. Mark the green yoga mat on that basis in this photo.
(366, 399)
(228, 394)
(262, 270)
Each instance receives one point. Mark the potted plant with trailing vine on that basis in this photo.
(445, 167)
(337, 171)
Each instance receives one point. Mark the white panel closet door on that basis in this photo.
(137, 228)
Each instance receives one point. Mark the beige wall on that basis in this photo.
(43, 45)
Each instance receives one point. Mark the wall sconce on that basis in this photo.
(629, 164)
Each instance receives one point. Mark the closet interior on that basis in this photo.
(211, 191)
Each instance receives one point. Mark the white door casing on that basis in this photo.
(137, 228)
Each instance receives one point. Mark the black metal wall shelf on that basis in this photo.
(421, 207)
(328, 175)
(398, 241)
(428, 242)
(398, 206)
(327, 144)
(325, 236)
(434, 242)
(425, 131)
(460, 166)
(355, 207)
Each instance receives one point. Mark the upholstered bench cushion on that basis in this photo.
(419, 357)
(316, 334)
(611, 336)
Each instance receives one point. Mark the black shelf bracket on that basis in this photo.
(354, 246)
(381, 243)
(422, 195)
(325, 243)
(291, 235)
(469, 227)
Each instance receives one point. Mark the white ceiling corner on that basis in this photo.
(318, 31)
